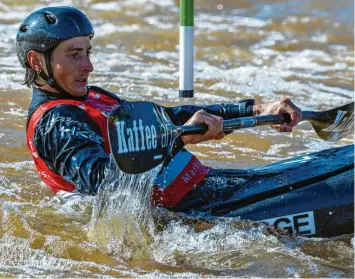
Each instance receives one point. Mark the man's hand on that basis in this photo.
(285, 105)
(214, 123)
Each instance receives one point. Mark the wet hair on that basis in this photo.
(30, 78)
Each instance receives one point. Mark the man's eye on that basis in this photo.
(73, 55)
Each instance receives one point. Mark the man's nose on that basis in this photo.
(87, 65)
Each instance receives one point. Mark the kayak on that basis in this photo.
(310, 195)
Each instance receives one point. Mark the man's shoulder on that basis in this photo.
(72, 120)
(100, 90)
(67, 113)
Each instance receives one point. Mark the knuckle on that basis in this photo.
(284, 100)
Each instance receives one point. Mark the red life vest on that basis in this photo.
(179, 177)
(97, 105)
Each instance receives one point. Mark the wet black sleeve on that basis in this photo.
(71, 144)
(180, 114)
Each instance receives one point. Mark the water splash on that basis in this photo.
(122, 214)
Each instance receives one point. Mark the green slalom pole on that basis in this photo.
(186, 48)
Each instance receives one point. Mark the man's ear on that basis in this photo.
(35, 60)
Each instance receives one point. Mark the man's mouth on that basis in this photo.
(82, 80)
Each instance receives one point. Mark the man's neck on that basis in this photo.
(48, 88)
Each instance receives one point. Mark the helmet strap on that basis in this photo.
(50, 78)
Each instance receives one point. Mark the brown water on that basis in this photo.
(263, 49)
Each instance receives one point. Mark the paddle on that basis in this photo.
(334, 124)
(142, 135)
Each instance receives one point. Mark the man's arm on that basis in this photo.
(181, 114)
(213, 116)
(71, 144)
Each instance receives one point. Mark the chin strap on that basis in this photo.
(50, 78)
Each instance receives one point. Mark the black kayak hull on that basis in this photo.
(310, 195)
(320, 209)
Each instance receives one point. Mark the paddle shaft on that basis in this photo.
(237, 123)
(329, 125)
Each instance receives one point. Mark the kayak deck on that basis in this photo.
(311, 195)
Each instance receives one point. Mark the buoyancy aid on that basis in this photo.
(97, 105)
(183, 173)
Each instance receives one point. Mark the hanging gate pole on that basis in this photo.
(186, 48)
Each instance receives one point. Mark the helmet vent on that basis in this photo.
(50, 18)
(24, 28)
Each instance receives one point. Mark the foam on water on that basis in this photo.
(214, 23)
(19, 259)
(226, 247)
(110, 6)
(161, 3)
(12, 15)
(109, 28)
(163, 55)
(17, 165)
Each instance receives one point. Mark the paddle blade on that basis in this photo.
(141, 136)
(334, 124)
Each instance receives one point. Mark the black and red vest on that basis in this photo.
(183, 173)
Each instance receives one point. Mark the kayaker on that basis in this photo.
(66, 127)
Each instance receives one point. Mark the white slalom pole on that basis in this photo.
(186, 80)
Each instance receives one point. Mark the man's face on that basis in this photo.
(71, 65)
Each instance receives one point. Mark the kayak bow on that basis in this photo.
(311, 195)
